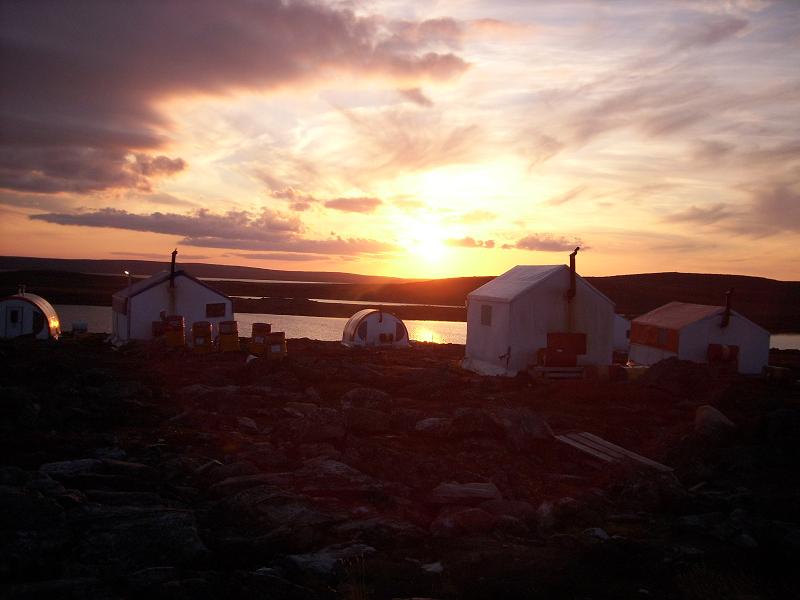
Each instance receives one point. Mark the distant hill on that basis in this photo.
(775, 305)
(150, 267)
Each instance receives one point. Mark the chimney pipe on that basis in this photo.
(726, 316)
(571, 292)
(172, 269)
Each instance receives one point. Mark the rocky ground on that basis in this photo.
(155, 473)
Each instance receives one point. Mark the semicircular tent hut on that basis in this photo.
(28, 314)
(374, 327)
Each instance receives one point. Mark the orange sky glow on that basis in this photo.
(406, 139)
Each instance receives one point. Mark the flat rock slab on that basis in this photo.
(465, 493)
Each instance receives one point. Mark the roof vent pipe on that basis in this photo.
(571, 292)
(726, 316)
(21, 289)
(172, 269)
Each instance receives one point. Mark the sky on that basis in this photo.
(411, 139)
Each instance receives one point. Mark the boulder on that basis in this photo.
(474, 422)
(366, 420)
(247, 425)
(241, 468)
(711, 424)
(324, 562)
(519, 509)
(464, 493)
(523, 428)
(462, 521)
(364, 397)
(70, 468)
(680, 378)
(124, 539)
(433, 426)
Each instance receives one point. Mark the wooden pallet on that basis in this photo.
(607, 452)
(557, 372)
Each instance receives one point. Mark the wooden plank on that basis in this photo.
(630, 454)
(586, 449)
(579, 437)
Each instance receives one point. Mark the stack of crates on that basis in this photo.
(202, 341)
(175, 333)
(276, 345)
(258, 340)
(229, 336)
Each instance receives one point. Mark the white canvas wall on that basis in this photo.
(523, 324)
(753, 341)
(190, 302)
(647, 355)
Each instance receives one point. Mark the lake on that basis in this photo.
(98, 319)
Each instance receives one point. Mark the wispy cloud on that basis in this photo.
(544, 243)
(357, 205)
(265, 231)
(470, 242)
(80, 88)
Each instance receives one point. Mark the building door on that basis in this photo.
(14, 316)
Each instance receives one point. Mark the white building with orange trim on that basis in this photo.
(700, 333)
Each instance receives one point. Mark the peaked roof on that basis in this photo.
(514, 282)
(157, 279)
(520, 279)
(677, 315)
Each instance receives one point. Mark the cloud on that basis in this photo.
(238, 230)
(701, 215)
(358, 205)
(281, 256)
(81, 88)
(399, 140)
(469, 242)
(416, 96)
(300, 201)
(566, 196)
(708, 32)
(473, 216)
(160, 256)
(774, 208)
(545, 243)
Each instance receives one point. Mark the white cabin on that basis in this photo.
(28, 314)
(135, 308)
(698, 332)
(375, 327)
(509, 319)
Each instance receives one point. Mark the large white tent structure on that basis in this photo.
(699, 333)
(172, 292)
(510, 317)
(374, 327)
(28, 314)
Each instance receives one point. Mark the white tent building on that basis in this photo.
(374, 327)
(699, 333)
(509, 318)
(622, 334)
(172, 292)
(28, 314)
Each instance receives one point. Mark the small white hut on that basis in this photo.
(537, 310)
(700, 333)
(172, 292)
(28, 314)
(375, 327)
(622, 334)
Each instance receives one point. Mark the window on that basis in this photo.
(486, 314)
(215, 310)
(14, 316)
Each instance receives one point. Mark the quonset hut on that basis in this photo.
(172, 292)
(28, 314)
(538, 314)
(375, 327)
(700, 333)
